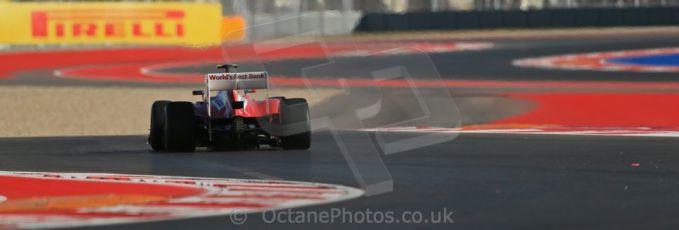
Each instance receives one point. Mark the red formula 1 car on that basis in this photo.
(229, 117)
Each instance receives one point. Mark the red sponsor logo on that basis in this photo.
(108, 23)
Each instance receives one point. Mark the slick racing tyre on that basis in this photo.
(157, 131)
(179, 127)
(296, 125)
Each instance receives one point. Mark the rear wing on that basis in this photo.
(233, 81)
(236, 81)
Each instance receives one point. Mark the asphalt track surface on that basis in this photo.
(489, 181)
(490, 64)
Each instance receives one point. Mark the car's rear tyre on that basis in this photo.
(180, 127)
(296, 124)
(157, 131)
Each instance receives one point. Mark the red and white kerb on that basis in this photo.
(58, 200)
(599, 61)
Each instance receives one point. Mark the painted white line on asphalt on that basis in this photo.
(627, 132)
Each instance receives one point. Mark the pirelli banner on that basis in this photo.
(111, 23)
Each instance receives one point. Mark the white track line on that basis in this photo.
(629, 132)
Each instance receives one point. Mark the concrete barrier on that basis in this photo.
(267, 26)
(550, 18)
